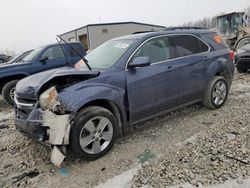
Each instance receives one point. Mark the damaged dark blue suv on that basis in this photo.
(131, 79)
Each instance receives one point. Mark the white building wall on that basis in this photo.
(71, 36)
(81, 31)
(97, 36)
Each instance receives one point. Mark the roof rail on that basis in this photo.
(182, 28)
(138, 32)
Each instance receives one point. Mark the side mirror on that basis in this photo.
(43, 59)
(139, 62)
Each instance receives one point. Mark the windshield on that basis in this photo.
(228, 24)
(32, 55)
(236, 22)
(19, 58)
(107, 54)
(224, 25)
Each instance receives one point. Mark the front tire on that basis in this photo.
(216, 93)
(93, 133)
(8, 92)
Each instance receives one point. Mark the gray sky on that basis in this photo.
(27, 24)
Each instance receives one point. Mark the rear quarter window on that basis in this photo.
(210, 37)
(189, 45)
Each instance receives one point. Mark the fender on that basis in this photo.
(74, 98)
(220, 64)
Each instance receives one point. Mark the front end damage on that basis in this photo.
(40, 115)
(46, 127)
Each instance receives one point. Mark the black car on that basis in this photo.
(4, 58)
(17, 59)
(242, 55)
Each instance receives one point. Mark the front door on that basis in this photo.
(156, 87)
(56, 58)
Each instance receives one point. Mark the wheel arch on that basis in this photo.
(224, 73)
(109, 105)
(5, 80)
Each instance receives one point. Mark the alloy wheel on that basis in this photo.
(219, 93)
(96, 135)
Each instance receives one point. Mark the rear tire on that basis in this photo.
(216, 93)
(8, 92)
(93, 133)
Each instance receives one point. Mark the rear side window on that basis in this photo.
(158, 49)
(188, 45)
(77, 47)
(212, 39)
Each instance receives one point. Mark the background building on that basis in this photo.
(93, 35)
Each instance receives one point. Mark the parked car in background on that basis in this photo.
(4, 58)
(41, 59)
(131, 79)
(18, 59)
(242, 55)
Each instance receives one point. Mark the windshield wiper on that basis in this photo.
(66, 57)
(80, 55)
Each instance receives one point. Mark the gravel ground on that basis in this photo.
(213, 156)
(193, 145)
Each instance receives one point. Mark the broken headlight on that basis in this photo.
(48, 98)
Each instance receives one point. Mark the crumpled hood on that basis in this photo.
(30, 86)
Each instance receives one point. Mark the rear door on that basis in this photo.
(56, 58)
(156, 87)
(192, 62)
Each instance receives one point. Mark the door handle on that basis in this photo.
(169, 68)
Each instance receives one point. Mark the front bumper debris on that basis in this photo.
(46, 127)
(58, 128)
(57, 156)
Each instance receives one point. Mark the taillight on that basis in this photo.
(231, 55)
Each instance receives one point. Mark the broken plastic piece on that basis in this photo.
(59, 128)
(57, 156)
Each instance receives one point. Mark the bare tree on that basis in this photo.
(205, 22)
(247, 11)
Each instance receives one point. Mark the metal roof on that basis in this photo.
(230, 14)
(114, 23)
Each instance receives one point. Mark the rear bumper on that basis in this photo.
(243, 63)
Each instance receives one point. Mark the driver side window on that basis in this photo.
(54, 52)
(157, 50)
